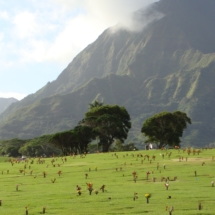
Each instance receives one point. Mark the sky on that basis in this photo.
(39, 38)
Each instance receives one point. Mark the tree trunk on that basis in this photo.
(160, 146)
(105, 147)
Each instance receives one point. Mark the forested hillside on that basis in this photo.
(167, 65)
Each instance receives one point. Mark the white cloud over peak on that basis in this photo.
(57, 30)
(52, 33)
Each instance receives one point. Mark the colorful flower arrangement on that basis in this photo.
(147, 195)
(90, 187)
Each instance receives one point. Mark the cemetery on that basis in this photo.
(164, 182)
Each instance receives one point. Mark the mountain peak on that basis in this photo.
(197, 6)
(194, 19)
(168, 65)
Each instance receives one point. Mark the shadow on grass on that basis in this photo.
(198, 213)
(203, 214)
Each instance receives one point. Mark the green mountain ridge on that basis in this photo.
(5, 103)
(168, 65)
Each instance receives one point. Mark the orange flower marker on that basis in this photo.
(135, 176)
(147, 175)
(146, 156)
(53, 180)
(78, 190)
(188, 151)
(135, 196)
(44, 174)
(102, 188)
(26, 210)
(90, 187)
(200, 206)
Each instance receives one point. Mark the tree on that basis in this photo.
(66, 141)
(39, 147)
(165, 128)
(11, 147)
(126, 147)
(84, 135)
(73, 141)
(12, 151)
(109, 123)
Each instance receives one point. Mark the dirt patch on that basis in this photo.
(191, 159)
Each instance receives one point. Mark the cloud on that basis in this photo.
(79, 23)
(139, 20)
(25, 25)
(53, 32)
(1, 36)
(4, 15)
(104, 13)
(12, 95)
(73, 38)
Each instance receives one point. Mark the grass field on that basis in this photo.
(114, 170)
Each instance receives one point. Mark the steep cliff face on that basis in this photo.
(167, 64)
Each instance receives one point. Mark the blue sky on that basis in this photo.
(39, 38)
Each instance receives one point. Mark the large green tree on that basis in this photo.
(11, 147)
(165, 128)
(109, 123)
(39, 146)
(84, 136)
(73, 141)
(66, 141)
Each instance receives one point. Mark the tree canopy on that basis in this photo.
(39, 146)
(165, 128)
(84, 136)
(73, 141)
(66, 141)
(109, 123)
(11, 147)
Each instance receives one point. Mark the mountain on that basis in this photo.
(5, 103)
(166, 64)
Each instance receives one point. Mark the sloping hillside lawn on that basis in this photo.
(35, 183)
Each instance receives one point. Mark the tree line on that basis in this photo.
(108, 123)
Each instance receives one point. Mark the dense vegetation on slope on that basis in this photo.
(168, 65)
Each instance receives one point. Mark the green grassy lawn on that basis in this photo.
(114, 171)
